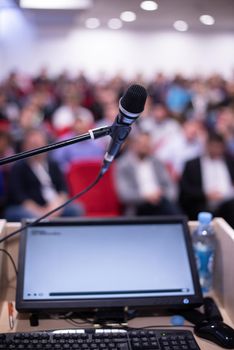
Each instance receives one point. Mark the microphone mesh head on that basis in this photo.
(134, 99)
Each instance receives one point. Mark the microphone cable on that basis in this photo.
(78, 195)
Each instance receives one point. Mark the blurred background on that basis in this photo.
(64, 66)
(104, 37)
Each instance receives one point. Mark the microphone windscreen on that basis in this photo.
(134, 99)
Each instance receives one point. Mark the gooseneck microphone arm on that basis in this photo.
(91, 134)
(130, 106)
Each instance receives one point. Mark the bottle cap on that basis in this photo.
(205, 217)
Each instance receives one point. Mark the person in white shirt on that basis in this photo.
(64, 117)
(164, 130)
(186, 145)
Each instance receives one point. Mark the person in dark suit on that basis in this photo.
(207, 182)
(36, 185)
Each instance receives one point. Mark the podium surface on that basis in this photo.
(223, 290)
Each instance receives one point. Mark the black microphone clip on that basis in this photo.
(118, 133)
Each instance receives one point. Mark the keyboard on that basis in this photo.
(100, 339)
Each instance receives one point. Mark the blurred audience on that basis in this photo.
(80, 151)
(225, 126)
(158, 88)
(178, 97)
(143, 183)
(29, 117)
(5, 151)
(163, 128)
(178, 115)
(103, 96)
(183, 146)
(110, 111)
(207, 183)
(36, 185)
(66, 114)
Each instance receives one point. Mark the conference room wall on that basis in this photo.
(28, 47)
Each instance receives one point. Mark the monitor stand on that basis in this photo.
(101, 317)
(111, 316)
(34, 320)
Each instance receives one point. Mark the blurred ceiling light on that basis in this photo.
(56, 4)
(7, 4)
(92, 23)
(207, 20)
(114, 23)
(149, 5)
(181, 26)
(128, 16)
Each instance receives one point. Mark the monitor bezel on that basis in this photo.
(76, 305)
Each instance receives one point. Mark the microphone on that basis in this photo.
(131, 105)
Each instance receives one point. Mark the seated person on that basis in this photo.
(143, 183)
(207, 182)
(185, 145)
(65, 115)
(36, 185)
(5, 151)
(162, 127)
(82, 151)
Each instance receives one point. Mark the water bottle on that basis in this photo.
(204, 244)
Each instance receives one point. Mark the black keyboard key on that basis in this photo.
(145, 344)
(192, 344)
(165, 342)
(154, 345)
(143, 339)
(136, 345)
(175, 342)
(119, 340)
(181, 337)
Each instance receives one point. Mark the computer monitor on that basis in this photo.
(107, 263)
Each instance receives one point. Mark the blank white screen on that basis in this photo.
(101, 261)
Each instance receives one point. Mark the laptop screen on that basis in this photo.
(122, 262)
